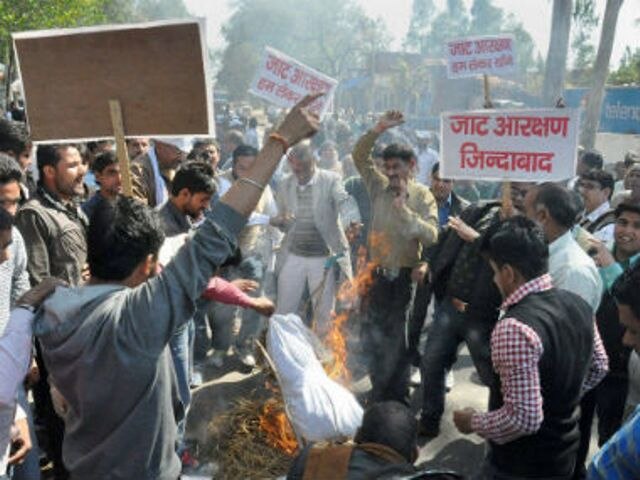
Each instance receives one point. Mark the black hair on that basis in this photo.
(604, 179)
(436, 168)
(630, 158)
(517, 242)
(48, 155)
(559, 202)
(625, 289)
(253, 122)
(13, 137)
(9, 169)
(627, 206)
(205, 142)
(243, 150)
(121, 235)
(592, 159)
(6, 220)
(391, 424)
(195, 176)
(397, 150)
(104, 160)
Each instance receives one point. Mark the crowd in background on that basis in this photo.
(363, 189)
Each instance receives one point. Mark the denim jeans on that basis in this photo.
(181, 347)
(450, 328)
(30, 468)
(223, 317)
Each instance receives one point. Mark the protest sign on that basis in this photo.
(284, 81)
(514, 145)
(490, 55)
(157, 71)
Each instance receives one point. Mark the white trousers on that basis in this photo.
(300, 272)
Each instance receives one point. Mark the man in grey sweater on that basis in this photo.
(106, 343)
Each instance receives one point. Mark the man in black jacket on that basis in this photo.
(466, 304)
(546, 353)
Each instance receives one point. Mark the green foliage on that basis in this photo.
(422, 15)
(333, 36)
(585, 21)
(629, 71)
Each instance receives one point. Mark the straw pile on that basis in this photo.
(240, 446)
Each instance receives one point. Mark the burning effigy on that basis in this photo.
(258, 436)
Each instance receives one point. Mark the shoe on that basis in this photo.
(196, 378)
(449, 381)
(217, 358)
(429, 428)
(415, 379)
(247, 359)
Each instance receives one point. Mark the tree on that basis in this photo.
(584, 21)
(334, 36)
(422, 14)
(600, 73)
(556, 65)
(629, 71)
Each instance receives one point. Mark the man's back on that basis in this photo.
(90, 334)
(105, 347)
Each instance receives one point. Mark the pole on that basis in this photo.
(121, 146)
(507, 205)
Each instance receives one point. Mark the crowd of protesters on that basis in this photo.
(113, 306)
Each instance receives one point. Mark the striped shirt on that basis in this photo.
(306, 240)
(14, 279)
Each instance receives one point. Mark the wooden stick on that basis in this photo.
(272, 365)
(507, 205)
(121, 146)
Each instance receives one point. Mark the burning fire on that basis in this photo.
(349, 293)
(275, 424)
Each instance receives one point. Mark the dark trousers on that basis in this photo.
(389, 305)
(449, 329)
(46, 419)
(607, 399)
(418, 318)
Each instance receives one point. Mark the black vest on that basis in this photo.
(564, 323)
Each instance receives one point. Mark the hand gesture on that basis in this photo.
(390, 119)
(353, 231)
(300, 123)
(464, 231)
(40, 292)
(263, 306)
(600, 253)
(419, 273)
(462, 420)
(20, 442)
(245, 285)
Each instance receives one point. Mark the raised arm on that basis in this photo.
(373, 179)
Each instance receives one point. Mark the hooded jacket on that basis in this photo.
(106, 350)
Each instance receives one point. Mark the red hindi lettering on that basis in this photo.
(470, 157)
(265, 85)
(469, 124)
(559, 125)
(278, 66)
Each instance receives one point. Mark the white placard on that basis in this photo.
(470, 56)
(284, 81)
(519, 145)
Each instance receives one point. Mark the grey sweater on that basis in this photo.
(106, 350)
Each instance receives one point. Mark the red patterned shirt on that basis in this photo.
(515, 352)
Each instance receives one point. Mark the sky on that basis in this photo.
(534, 14)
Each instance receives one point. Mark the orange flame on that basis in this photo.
(349, 293)
(275, 424)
